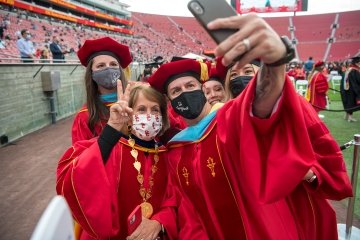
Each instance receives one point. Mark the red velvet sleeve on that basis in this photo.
(80, 129)
(83, 181)
(332, 179)
(271, 155)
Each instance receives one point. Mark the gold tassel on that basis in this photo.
(127, 72)
(204, 74)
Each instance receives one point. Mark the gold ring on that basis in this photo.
(246, 43)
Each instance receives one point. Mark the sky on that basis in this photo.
(178, 7)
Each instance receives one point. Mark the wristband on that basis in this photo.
(290, 53)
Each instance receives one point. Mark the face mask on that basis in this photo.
(28, 37)
(109, 98)
(146, 126)
(189, 104)
(238, 84)
(107, 77)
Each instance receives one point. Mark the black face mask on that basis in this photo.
(189, 104)
(238, 84)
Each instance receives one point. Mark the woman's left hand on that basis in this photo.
(147, 230)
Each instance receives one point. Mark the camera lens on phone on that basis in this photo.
(196, 8)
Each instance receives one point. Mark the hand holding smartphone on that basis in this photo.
(134, 219)
(206, 11)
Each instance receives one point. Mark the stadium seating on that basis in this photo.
(168, 35)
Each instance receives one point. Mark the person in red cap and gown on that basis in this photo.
(317, 87)
(238, 77)
(251, 168)
(104, 178)
(105, 60)
(213, 87)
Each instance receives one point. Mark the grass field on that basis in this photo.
(343, 132)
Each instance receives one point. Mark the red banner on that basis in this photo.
(53, 14)
(246, 6)
(90, 12)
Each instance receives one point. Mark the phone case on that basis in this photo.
(134, 220)
(206, 11)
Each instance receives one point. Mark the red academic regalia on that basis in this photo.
(297, 73)
(244, 175)
(101, 197)
(80, 129)
(317, 88)
(177, 124)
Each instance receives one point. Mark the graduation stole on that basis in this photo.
(309, 91)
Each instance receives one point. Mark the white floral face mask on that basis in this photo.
(146, 126)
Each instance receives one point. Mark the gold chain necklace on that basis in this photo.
(146, 207)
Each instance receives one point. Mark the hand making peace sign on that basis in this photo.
(120, 112)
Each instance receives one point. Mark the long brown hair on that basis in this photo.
(154, 96)
(97, 110)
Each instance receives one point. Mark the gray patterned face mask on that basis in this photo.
(107, 77)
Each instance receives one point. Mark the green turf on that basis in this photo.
(343, 132)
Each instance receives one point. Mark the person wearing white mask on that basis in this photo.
(104, 179)
(26, 47)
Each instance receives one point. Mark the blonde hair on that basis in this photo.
(228, 93)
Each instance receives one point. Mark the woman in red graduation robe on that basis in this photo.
(100, 83)
(103, 179)
(318, 87)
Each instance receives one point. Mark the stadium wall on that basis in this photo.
(25, 107)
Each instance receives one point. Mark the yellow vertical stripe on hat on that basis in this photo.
(204, 74)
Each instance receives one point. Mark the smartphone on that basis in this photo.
(206, 11)
(134, 219)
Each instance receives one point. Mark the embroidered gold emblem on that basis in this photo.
(211, 165)
(186, 175)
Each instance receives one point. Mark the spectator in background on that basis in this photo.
(17, 35)
(350, 88)
(2, 44)
(57, 52)
(38, 52)
(318, 87)
(26, 47)
(2, 28)
(296, 71)
(308, 66)
(45, 55)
